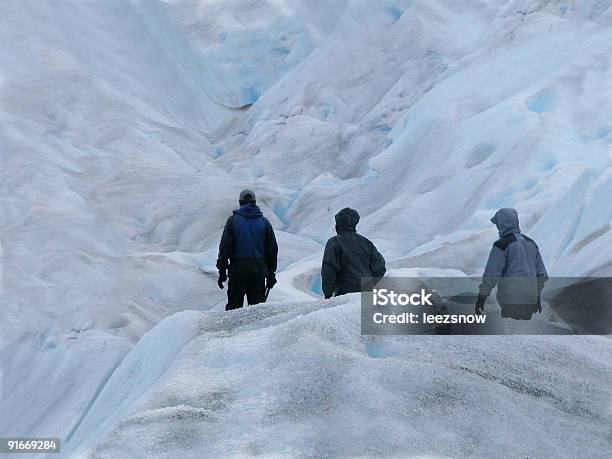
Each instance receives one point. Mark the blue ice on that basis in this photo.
(543, 101)
(384, 128)
(282, 50)
(250, 95)
(396, 12)
(604, 131)
(316, 285)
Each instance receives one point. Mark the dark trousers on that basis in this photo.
(245, 282)
(518, 311)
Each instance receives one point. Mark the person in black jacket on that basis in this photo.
(247, 253)
(349, 257)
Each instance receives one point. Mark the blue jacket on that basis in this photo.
(248, 235)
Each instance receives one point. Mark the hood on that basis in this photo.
(249, 211)
(346, 220)
(507, 221)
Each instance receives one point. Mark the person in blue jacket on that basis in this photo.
(515, 266)
(247, 254)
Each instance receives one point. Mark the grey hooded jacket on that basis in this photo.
(515, 264)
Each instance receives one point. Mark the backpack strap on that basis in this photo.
(504, 242)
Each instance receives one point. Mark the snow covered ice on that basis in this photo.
(294, 380)
(127, 129)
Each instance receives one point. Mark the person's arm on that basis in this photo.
(541, 272)
(493, 271)
(271, 248)
(226, 247)
(271, 255)
(330, 267)
(377, 264)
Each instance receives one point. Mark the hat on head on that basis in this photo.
(246, 196)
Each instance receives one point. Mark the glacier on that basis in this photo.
(298, 380)
(127, 129)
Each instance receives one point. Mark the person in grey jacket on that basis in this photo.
(349, 257)
(515, 266)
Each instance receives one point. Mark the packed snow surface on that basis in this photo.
(127, 129)
(298, 380)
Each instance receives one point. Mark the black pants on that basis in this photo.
(245, 281)
(518, 311)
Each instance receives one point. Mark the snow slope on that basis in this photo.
(128, 127)
(298, 380)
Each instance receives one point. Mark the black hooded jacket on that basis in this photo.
(349, 257)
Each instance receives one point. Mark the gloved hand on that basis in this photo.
(479, 306)
(271, 280)
(539, 304)
(222, 278)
